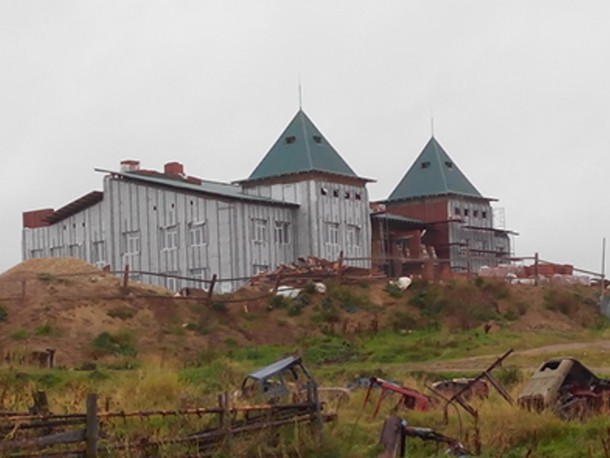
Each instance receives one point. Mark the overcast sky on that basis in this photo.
(519, 91)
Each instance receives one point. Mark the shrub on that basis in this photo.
(508, 376)
(118, 344)
(402, 320)
(3, 313)
(278, 302)
(393, 290)
(44, 330)
(20, 334)
(294, 310)
(561, 300)
(219, 306)
(122, 313)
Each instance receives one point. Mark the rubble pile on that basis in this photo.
(556, 274)
(314, 268)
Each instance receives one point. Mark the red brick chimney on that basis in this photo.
(174, 168)
(37, 218)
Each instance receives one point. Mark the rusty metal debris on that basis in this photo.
(568, 388)
(395, 430)
(459, 396)
(410, 398)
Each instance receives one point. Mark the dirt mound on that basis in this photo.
(67, 304)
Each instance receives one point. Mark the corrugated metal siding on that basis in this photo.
(153, 229)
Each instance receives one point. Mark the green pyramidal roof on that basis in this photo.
(432, 174)
(301, 148)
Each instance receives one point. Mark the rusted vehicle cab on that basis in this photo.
(567, 387)
(280, 382)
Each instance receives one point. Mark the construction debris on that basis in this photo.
(459, 396)
(313, 268)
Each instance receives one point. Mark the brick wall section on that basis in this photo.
(37, 218)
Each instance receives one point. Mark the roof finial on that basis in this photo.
(300, 94)
(432, 123)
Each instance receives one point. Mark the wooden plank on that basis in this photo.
(45, 441)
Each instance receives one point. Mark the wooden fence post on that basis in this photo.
(91, 432)
(536, 269)
(126, 276)
(211, 290)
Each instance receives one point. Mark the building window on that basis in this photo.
(323, 191)
(132, 242)
(172, 283)
(336, 193)
(425, 164)
(197, 234)
(332, 233)
(56, 251)
(353, 235)
(170, 239)
(260, 231)
(199, 273)
(259, 268)
(98, 254)
(358, 196)
(347, 194)
(281, 233)
(290, 140)
(484, 214)
(74, 250)
(466, 212)
(171, 217)
(170, 249)
(449, 164)
(475, 213)
(34, 254)
(317, 139)
(457, 211)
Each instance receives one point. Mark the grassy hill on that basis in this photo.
(144, 348)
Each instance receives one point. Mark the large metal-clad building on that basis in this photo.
(302, 199)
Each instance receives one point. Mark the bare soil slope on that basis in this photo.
(64, 303)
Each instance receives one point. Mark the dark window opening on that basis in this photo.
(173, 205)
(483, 215)
(154, 208)
(358, 196)
(475, 213)
(456, 210)
(290, 140)
(347, 194)
(336, 193)
(191, 202)
(317, 139)
(466, 212)
(425, 164)
(323, 191)
(449, 164)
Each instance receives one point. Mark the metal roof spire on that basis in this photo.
(300, 94)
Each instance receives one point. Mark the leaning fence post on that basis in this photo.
(92, 426)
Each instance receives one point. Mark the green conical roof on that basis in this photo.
(433, 174)
(301, 148)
